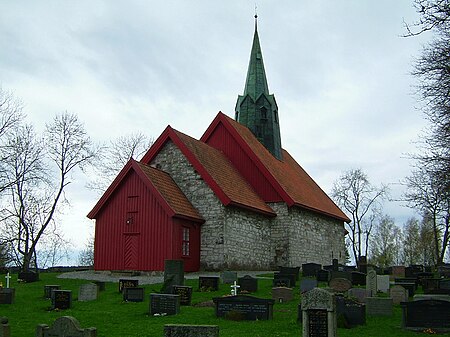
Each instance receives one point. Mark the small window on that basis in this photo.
(263, 110)
(185, 242)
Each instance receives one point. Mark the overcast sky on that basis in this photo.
(339, 69)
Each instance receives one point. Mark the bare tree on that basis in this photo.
(86, 256)
(434, 14)
(412, 245)
(42, 174)
(385, 242)
(354, 193)
(116, 155)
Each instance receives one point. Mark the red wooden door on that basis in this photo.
(131, 251)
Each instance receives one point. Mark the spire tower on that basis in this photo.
(256, 108)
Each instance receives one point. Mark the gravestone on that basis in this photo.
(426, 314)
(379, 306)
(124, 283)
(335, 264)
(101, 285)
(185, 294)
(290, 270)
(208, 283)
(371, 282)
(340, 285)
(358, 279)
(341, 274)
(7, 295)
(383, 283)
(61, 299)
(444, 284)
(243, 307)
(291, 277)
(430, 284)
(248, 284)
(65, 326)
(398, 294)
(359, 294)
(362, 265)
(319, 314)
(307, 284)
(164, 304)
(173, 274)
(281, 282)
(410, 287)
(133, 294)
(48, 290)
(419, 297)
(282, 294)
(185, 330)
(398, 271)
(407, 280)
(28, 276)
(5, 330)
(352, 312)
(423, 276)
(323, 275)
(310, 269)
(88, 292)
(228, 277)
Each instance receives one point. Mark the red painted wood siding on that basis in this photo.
(191, 262)
(133, 231)
(223, 141)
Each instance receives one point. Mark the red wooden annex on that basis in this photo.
(142, 219)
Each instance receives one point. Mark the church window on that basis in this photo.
(263, 110)
(185, 242)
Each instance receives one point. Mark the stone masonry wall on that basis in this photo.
(171, 160)
(301, 236)
(247, 240)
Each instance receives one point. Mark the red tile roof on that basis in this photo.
(170, 191)
(288, 177)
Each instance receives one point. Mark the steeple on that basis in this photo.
(256, 108)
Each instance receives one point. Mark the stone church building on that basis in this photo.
(234, 199)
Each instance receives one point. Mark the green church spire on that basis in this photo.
(256, 108)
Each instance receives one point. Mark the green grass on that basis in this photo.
(114, 318)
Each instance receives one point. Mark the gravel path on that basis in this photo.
(143, 279)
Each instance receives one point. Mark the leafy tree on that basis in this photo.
(412, 245)
(358, 197)
(385, 246)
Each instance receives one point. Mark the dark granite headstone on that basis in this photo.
(358, 279)
(5, 330)
(48, 290)
(243, 307)
(362, 265)
(341, 274)
(335, 265)
(281, 282)
(310, 269)
(444, 284)
(185, 330)
(379, 306)
(61, 299)
(124, 283)
(291, 278)
(410, 287)
(133, 294)
(28, 276)
(164, 304)
(248, 284)
(7, 295)
(173, 274)
(323, 275)
(430, 284)
(353, 313)
(185, 294)
(208, 283)
(65, 326)
(282, 294)
(291, 270)
(407, 280)
(307, 284)
(423, 314)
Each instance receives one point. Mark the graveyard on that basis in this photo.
(264, 311)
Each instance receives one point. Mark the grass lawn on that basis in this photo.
(114, 318)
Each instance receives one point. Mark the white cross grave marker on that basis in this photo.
(234, 289)
(7, 277)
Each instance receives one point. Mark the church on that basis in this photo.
(233, 199)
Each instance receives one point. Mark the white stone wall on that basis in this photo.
(301, 236)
